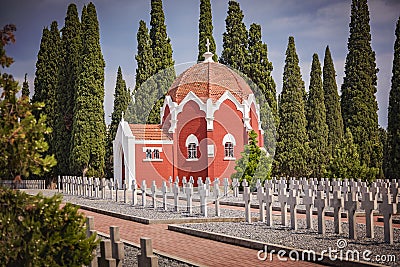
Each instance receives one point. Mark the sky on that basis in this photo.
(313, 23)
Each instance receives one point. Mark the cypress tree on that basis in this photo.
(317, 128)
(358, 101)
(334, 118)
(144, 92)
(46, 80)
(25, 87)
(235, 39)
(121, 101)
(393, 135)
(383, 137)
(160, 42)
(162, 54)
(206, 30)
(89, 129)
(259, 69)
(292, 143)
(71, 46)
(345, 163)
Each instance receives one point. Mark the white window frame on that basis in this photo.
(191, 141)
(229, 138)
(152, 153)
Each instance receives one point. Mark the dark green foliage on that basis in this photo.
(121, 101)
(259, 69)
(235, 39)
(160, 42)
(154, 61)
(358, 101)
(89, 129)
(145, 92)
(334, 118)
(36, 231)
(46, 82)
(393, 153)
(7, 36)
(22, 137)
(254, 163)
(383, 137)
(70, 68)
(206, 30)
(292, 143)
(317, 128)
(346, 162)
(162, 54)
(25, 87)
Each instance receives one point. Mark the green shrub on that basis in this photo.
(35, 231)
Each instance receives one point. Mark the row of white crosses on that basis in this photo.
(203, 191)
(347, 195)
(82, 186)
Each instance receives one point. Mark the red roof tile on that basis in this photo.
(209, 80)
(148, 132)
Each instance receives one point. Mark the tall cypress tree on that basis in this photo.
(71, 46)
(317, 128)
(161, 44)
(25, 87)
(393, 134)
(162, 53)
(89, 129)
(46, 80)
(235, 39)
(292, 143)
(359, 105)
(259, 69)
(121, 101)
(334, 118)
(145, 95)
(206, 30)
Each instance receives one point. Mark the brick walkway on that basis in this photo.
(199, 250)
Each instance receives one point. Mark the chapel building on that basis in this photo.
(207, 114)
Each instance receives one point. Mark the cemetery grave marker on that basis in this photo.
(369, 204)
(351, 205)
(337, 202)
(321, 204)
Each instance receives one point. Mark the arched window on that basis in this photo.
(192, 143)
(229, 142)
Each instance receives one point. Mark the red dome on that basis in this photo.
(209, 80)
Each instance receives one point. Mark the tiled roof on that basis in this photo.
(209, 80)
(148, 132)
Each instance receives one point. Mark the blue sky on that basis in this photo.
(313, 23)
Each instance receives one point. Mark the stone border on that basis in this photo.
(258, 245)
(157, 252)
(163, 221)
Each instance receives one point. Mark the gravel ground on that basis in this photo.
(308, 239)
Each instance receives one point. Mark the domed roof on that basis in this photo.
(209, 80)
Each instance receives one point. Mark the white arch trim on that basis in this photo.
(228, 138)
(210, 108)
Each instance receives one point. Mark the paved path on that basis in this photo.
(199, 250)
